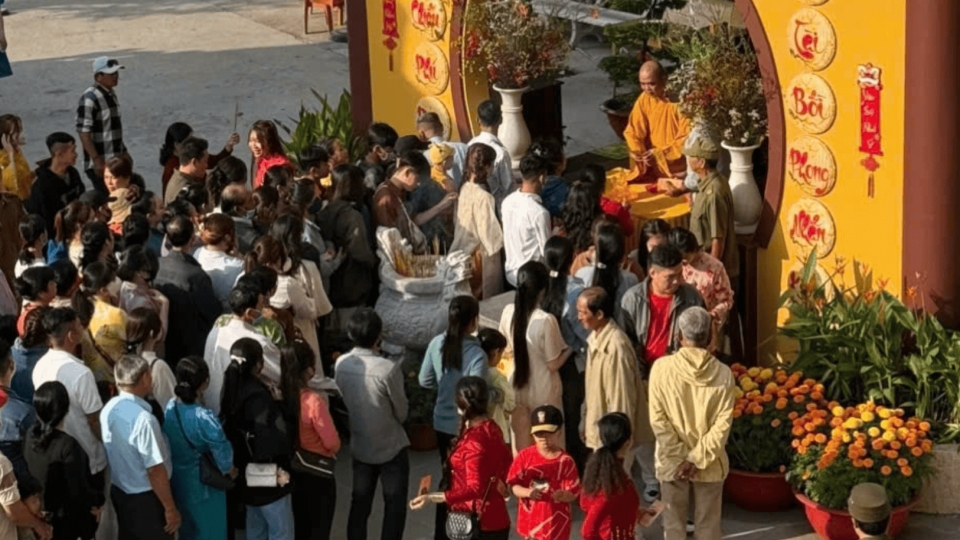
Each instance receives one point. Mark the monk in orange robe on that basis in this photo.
(656, 130)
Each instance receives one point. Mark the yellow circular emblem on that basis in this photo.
(811, 227)
(811, 164)
(429, 17)
(431, 68)
(812, 39)
(814, 2)
(811, 103)
(434, 105)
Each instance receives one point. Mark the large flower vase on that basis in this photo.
(747, 203)
(513, 132)
(833, 524)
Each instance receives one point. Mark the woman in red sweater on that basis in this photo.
(609, 497)
(314, 497)
(267, 151)
(478, 465)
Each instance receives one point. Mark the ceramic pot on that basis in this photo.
(939, 494)
(833, 524)
(513, 132)
(747, 203)
(422, 437)
(758, 492)
(618, 118)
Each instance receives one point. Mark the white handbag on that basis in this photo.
(261, 474)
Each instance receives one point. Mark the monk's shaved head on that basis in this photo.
(652, 67)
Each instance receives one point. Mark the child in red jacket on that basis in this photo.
(544, 479)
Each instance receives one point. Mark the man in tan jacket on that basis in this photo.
(691, 411)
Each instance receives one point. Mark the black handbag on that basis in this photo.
(313, 464)
(466, 525)
(210, 473)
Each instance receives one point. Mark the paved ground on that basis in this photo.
(194, 61)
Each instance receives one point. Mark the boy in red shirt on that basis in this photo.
(544, 479)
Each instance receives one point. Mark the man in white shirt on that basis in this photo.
(245, 303)
(526, 223)
(500, 181)
(430, 130)
(83, 418)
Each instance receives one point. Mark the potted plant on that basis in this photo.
(420, 402)
(768, 400)
(721, 87)
(327, 121)
(514, 47)
(839, 447)
(863, 342)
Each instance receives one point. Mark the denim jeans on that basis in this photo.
(394, 475)
(273, 521)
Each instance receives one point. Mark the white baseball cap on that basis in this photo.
(106, 65)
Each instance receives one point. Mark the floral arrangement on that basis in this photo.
(839, 447)
(768, 401)
(513, 46)
(720, 84)
(862, 342)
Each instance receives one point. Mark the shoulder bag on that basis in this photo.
(210, 473)
(312, 463)
(466, 525)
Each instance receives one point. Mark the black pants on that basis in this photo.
(573, 395)
(394, 476)
(443, 446)
(139, 516)
(314, 503)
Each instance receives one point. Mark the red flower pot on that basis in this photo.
(758, 492)
(833, 524)
(422, 437)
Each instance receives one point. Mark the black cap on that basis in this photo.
(546, 418)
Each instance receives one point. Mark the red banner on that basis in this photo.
(868, 78)
(391, 28)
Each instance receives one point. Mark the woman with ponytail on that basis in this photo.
(607, 270)
(314, 497)
(561, 302)
(68, 223)
(450, 356)
(61, 465)
(105, 340)
(192, 430)
(97, 242)
(143, 335)
(37, 287)
(33, 234)
(538, 350)
(477, 230)
(609, 497)
(256, 426)
(138, 268)
(478, 464)
(218, 257)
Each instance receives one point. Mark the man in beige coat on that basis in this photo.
(691, 411)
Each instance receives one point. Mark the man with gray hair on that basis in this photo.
(139, 457)
(691, 411)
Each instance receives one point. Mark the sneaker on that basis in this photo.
(690, 528)
(651, 492)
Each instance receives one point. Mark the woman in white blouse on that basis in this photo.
(477, 231)
(216, 256)
(538, 351)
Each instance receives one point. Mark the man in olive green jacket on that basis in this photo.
(870, 510)
(691, 411)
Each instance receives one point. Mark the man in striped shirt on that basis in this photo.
(98, 121)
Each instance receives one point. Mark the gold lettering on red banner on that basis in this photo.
(391, 28)
(868, 79)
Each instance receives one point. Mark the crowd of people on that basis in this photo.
(175, 360)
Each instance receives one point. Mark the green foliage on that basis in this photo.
(622, 70)
(864, 343)
(327, 121)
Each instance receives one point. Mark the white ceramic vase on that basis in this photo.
(747, 203)
(513, 132)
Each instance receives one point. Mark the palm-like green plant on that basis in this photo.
(315, 124)
(864, 343)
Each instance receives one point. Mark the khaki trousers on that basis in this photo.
(707, 499)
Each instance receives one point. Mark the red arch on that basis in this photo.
(773, 190)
